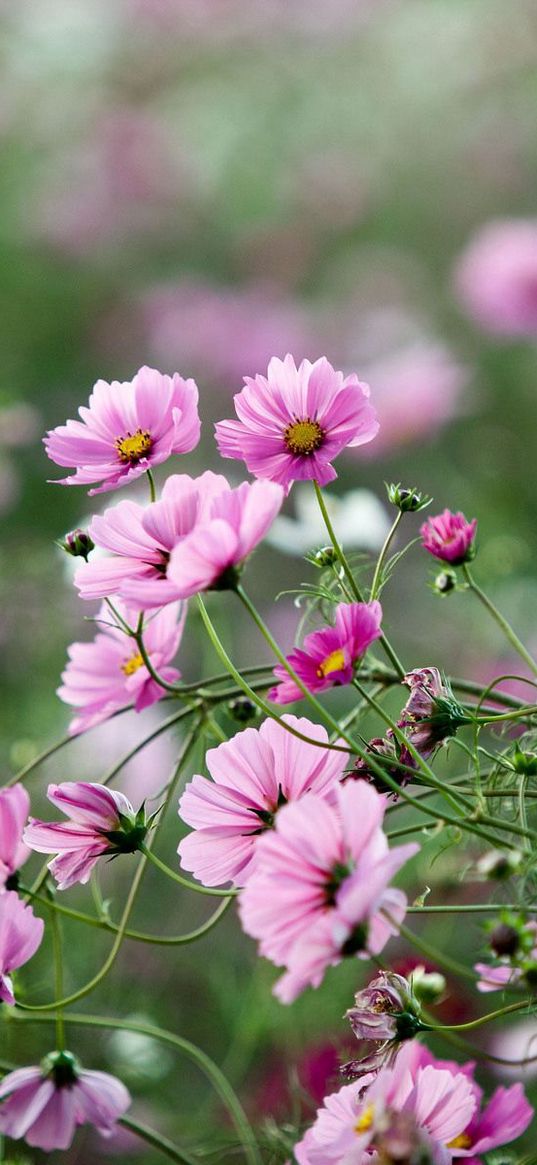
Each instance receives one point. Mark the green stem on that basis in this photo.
(477, 908)
(382, 556)
(203, 1062)
(164, 869)
(348, 572)
(483, 1019)
(165, 684)
(152, 487)
(500, 620)
(158, 1141)
(58, 977)
(431, 952)
(175, 718)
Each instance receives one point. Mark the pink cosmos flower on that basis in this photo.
(449, 537)
(20, 935)
(100, 821)
(128, 427)
(328, 657)
(193, 539)
(294, 421)
(384, 1013)
(254, 774)
(320, 885)
(108, 673)
(14, 809)
(496, 277)
(44, 1105)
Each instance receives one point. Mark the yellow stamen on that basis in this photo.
(463, 1141)
(333, 662)
(303, 436)
(363, 1124)
(134, 446)
(131, 665)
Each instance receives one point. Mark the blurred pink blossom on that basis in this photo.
(495, 278)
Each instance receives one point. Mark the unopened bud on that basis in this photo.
(505, 939)
(242, 709)
(326, 556)
(499, 866)
(78, 543)
(445, 582)
(524, 763)
(408, 500)
(428, 986)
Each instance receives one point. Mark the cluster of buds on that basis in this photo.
(430, 715)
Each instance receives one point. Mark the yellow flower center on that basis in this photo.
(463, 1141)
(363, 1124)
(134, 446)
(333, 662)
(131, 665)
(303, 436)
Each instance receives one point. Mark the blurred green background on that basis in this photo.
(199, 185)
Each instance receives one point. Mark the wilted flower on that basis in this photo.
(385, 1012)
(20, 935)
(294, 421)
(431, 713)
(328, 657)
(449, 537)
(44, 1105)
(101, 821)
(129, 427)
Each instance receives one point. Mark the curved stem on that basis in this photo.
(175, 718)
(394, 659)
(152, 486)
(158, 1141)
(382, 556)
(500, 620)
(483, 1019)
(138, 637)
(213, 1073)
(164, 869)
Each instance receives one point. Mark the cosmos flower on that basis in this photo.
(254, 774)
(449, 537)
(129, 427)
(43, 1105)
(107, 674)
(495, 278)
(294, 421)
(14, 809)
(20, 935)
(328, 657)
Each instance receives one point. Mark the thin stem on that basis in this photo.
(158, 1141)
(213, 1073)
(431, 952)
(500, 620)
(58, 976)
(138, 637)
(477, 908)
(164, 869)
(152, 486)
(483, 1019)
(175, 718)
(394, 659)
(382, 556)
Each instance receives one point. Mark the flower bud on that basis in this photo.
(499, 866)
(408, 500)
(505, 939)
(445, 582)
(78, 543)
(242, 709)
(428, 986)
(326, 556)
(524, 763)
(450, 537)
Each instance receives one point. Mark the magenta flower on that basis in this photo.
(100, 821)
(328, 657)
(20, 935)
(196, 538)
(107, 674)
(496, 277)
(294, 421)
(254, 774)
(14, 808)
(44, 1105)
(319, 884)
(449, 537)
(129, 427)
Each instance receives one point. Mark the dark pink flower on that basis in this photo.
(496, 277)
(128, 427)
(20, 935)
(431, 712)
(294, 421)
(449, 537)
(319, 889)
(254, 774)
(328, 657)
(101, 821)
(109, 673)
(14, 808)
(44, 1105)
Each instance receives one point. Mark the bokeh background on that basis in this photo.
(199, 185)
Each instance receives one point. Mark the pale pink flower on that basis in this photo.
(107, 674)
(14, 809)
(20, 935)
(431, 712)
(449, 537)
(100, 821)
(320, 885)
(254, 774)
(385, 1013)
(196, 538)
(129, 427)
(43, 1105)
(496, 277)
(328, 657)
(294, 421)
